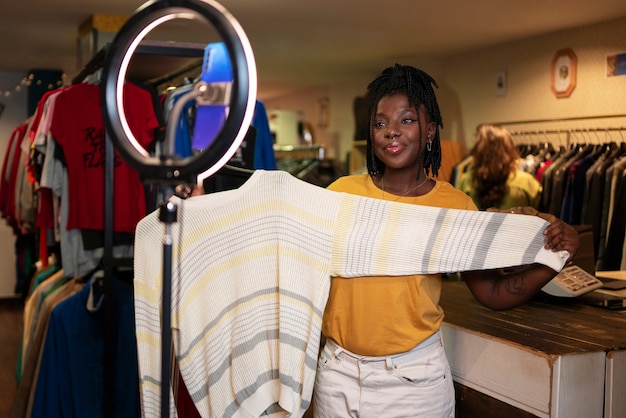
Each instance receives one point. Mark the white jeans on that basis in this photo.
(417, 383)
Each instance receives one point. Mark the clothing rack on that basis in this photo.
(549, 120)
(571, 136)
(178, 55)
(95, 63)
(570, 192)
(568, 130)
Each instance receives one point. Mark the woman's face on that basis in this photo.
(397, 132)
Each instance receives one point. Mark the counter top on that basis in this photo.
(551, 325)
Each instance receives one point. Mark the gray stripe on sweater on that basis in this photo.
(484, 243)
(533, 248)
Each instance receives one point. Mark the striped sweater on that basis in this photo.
(251, 272)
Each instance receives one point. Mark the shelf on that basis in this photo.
(154, 62)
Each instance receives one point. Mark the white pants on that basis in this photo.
(417, 383)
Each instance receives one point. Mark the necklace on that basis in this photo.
(382, 184)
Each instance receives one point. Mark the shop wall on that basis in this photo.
(303, 102)
(467, 93)
(528, 72)
(309, 105)
(14, 113)
(329, 111)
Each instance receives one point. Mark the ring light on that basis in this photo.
(242, 94)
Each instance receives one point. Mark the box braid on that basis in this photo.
(418, 86)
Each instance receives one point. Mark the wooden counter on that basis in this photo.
(548, 358)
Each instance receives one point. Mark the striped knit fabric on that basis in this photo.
(251, 273)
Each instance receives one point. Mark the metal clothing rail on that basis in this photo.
(574, 130)
(567, 135)
(548, 120)
(571, 135)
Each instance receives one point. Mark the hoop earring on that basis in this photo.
(429, 145)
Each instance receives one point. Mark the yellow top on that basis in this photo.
(377, 316)
(523, 189)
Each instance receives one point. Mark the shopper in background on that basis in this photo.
(494, 178)
(384, 355)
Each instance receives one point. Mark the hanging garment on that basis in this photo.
(616, 222)
(13, 160)
(575, 186)
(22, 403)
(264, 158)
(608, 201)
(596, 209)
(251, 272)
(70, 382)
(547, 180)
(7, 166)
(77, 127)
(559, 179)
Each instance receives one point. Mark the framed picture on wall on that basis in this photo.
(563, 72)
(616, 64)
(501, 83)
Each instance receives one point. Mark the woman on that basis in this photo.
(383, 355)
(493, 178)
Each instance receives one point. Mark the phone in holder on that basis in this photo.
(572, 281)
(613, 284)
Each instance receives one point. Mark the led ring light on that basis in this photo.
(242, 97)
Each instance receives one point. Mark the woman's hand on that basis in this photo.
(560, 236)
(185, 191)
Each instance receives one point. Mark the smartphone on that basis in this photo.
(613, 284)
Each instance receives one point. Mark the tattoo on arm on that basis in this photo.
(516, 285)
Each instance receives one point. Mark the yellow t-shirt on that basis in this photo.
(378, 316)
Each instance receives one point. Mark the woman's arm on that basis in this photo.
(506, 289)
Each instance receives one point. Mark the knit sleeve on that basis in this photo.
(375, 237)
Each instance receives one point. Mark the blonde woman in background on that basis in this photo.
(493, 178)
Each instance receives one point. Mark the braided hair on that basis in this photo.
(418, 87)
